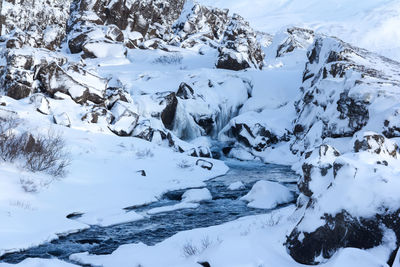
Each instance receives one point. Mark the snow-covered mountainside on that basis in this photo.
(371, 24)
(135, 85)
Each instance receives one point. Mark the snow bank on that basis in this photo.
(249, 241)
(30, 262)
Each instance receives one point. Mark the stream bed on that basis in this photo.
(224, 207)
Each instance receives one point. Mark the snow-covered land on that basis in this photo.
(371, 24)
(107, 105)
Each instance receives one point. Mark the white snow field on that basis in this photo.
(370, 24)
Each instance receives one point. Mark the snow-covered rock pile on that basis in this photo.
(100, 29)
(349, 200)
(345, 89)
(268, 195)
(35, 23)
(240, 48)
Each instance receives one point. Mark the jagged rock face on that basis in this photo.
(150, 18)
(345, 206)
(236, 41)
(255, 136)
(168, 114)
(341, 92)
(36, 23)
(240, 49)
(196, 19)
(296, 38)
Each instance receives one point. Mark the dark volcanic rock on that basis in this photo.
(168, 114)
(185, 91)
(240, 49)
(339, 231)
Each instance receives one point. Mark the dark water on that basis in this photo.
(224, 207)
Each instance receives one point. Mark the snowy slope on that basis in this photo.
(371, 24)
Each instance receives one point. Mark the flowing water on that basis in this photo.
(224, 207)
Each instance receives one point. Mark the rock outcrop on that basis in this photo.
(346, 207)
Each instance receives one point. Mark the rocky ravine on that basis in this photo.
(54, 53)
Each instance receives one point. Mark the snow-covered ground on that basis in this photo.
(371, 24)
(104, 178)
(248, 242)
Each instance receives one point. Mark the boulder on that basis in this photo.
(62, 119)
(375, 143)
(317, 170)
(343, 201)
(125, 123)
(72, 81)
(97, 115)
(185, 91)
(168, 114)
(41, 103)
(339, 231)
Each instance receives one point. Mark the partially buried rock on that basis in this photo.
(125, 124)
(41, 103)
(62, 119)
(204, 164)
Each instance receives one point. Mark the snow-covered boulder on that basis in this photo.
(376, 144)
(41, 103)
(81, 85)
(236, 186)
(62, 119)
(268, 195)
(98, 115)
(251, 130)
(353, 199)
(317, 170)
(125, 120)
(196, 195)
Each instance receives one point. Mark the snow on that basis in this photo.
(101, 182)
(236, 186)
(371, 24)
(105, 173)
(190, 200)
(249, 241)
(179, 206)
(268, 195)
(109, 217)
(196, 195)
(39, 263)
